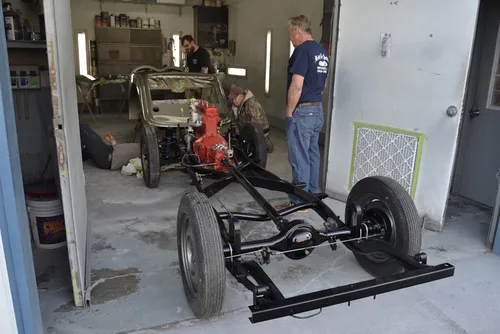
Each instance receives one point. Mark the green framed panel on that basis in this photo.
(413, 140)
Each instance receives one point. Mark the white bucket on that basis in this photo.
(46, 217)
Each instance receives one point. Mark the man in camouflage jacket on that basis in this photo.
(249, 110)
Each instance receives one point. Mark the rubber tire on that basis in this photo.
(209, 252)
(251, 132)
(270, 145)
(151, 174)
(408, 236)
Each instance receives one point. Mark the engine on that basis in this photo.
(210, 147)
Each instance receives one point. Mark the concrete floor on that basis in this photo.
(134, 254)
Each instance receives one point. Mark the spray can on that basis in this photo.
(13, 79)
(98, 21)
(33, 79)
(112, 20)
(23, 79)
(105, 19)
(12, 26)
(9, 26)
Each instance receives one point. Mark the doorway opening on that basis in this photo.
(474, 188)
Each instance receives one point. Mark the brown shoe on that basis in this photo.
(287, 205)
(283, 206)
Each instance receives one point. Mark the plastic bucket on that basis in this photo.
(46, 217)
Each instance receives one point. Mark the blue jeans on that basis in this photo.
(302, 132)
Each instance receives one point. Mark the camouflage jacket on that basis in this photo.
(251, 111)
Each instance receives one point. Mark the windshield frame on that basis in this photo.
(157, 81)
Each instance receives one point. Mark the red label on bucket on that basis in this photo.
(51, 229)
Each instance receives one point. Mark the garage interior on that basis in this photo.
(135, 277)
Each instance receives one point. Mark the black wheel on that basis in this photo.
(253, 143)
(137, 130)
(201, 255)
(385, 201)
(150, 156)
(270, 145)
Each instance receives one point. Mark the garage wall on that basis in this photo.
(83, 13)
(7, 315)
(249, 21)
(424, 74)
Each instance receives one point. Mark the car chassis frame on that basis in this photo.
(268, 301)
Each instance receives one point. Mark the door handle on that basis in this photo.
(474, 113)
(452, 111)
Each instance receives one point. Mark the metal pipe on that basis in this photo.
(195, 125)
(264, 217)
(252, 246)
(347, 293)
(257, 196)
(189, 138)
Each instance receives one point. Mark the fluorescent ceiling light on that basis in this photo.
(176, 50)
(82, 53)
(237, 71)
(268, 63)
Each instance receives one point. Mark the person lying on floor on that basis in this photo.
(108, 155)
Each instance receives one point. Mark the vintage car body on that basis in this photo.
(183, 121)
(161, 97)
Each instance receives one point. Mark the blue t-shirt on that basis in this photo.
(309, 60)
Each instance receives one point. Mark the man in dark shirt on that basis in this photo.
(198, 59)
(307, 74)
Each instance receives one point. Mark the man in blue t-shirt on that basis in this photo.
(307, 73)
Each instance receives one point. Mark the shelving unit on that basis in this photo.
(211, 26)
(180, 5)
(173, 3)
(26, 44)
(120, 50)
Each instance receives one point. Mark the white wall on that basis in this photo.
(7, 315)
(83, 16)
(248, 24)
(411, 89)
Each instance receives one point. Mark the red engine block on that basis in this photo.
(209, 145)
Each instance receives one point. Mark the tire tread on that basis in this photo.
(407, 220)
(148, 133)
(207, 234)
(255, 133)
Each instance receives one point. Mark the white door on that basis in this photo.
(480, 155)
(66, 128)
(400, 78)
